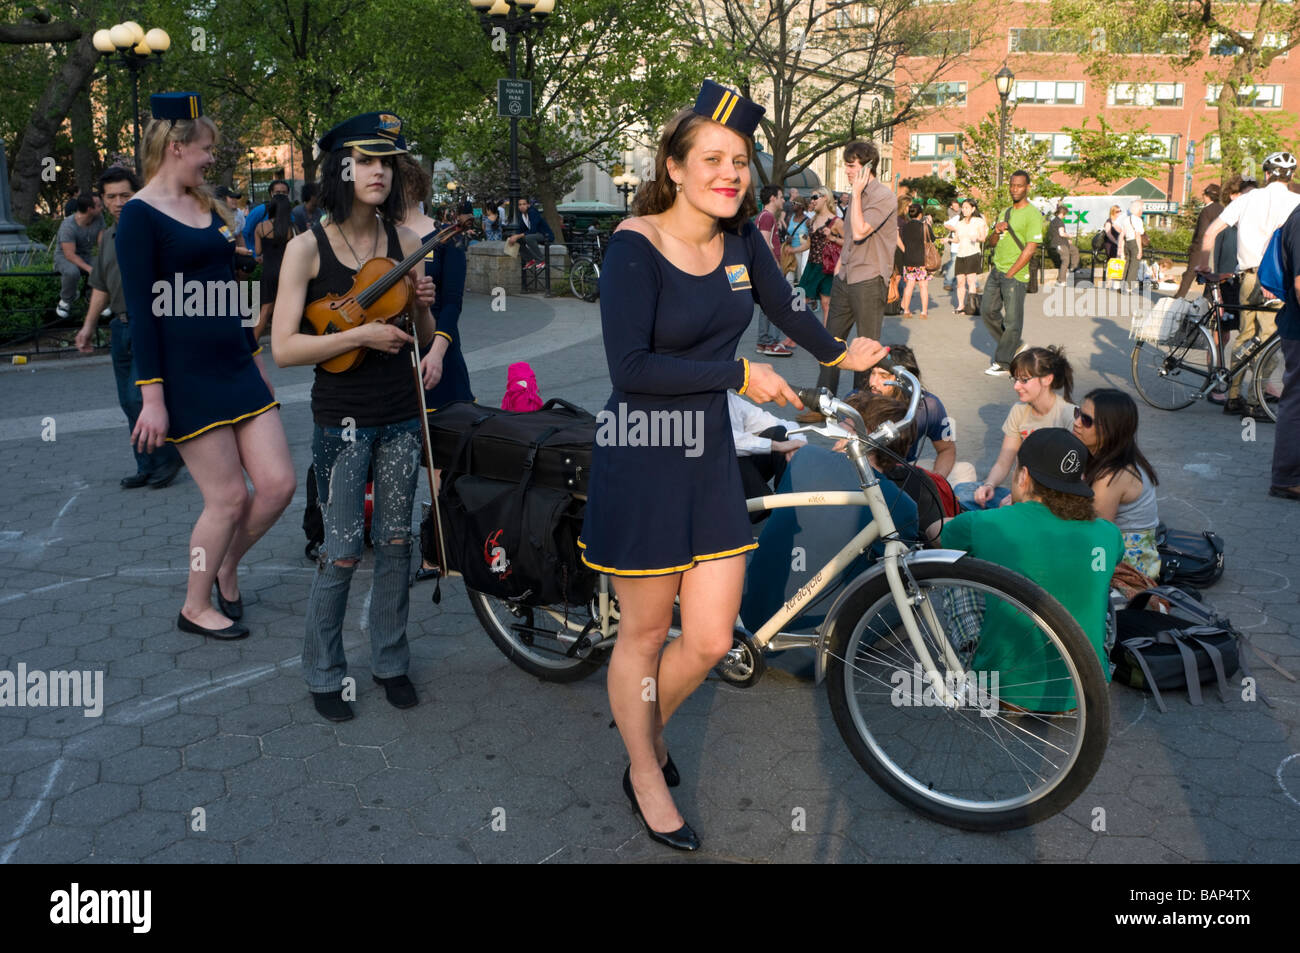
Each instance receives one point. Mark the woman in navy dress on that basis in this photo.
(204, 386)
(677, 292)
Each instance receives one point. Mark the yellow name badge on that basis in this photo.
(738, 277)
(225, 231)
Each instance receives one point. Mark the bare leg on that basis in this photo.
(710, 602)
(906, 303)
(925, 297)
(961, 291)
(213, 462)
(264, 453)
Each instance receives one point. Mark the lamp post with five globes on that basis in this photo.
(133, 48)
(626, 183)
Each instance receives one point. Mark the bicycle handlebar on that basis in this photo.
(821, 400)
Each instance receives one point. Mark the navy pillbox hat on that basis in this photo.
(176, 105)
(373, 134)
(731, 109)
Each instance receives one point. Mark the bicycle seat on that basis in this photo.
(1209, 279)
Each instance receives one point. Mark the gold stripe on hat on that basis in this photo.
(721, 103)
(194, 107)
(727, 115)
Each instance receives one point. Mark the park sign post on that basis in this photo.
(514, 98)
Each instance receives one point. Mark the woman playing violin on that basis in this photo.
(367, 418)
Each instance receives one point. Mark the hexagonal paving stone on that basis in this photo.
(24, 753)
(255, 719)
(194, 850)
(141, 765)
(266, 777)
(452, 814)
(96, 804)
(52, 845)
(54, 780)
(298, 741)
(103, 742)
(424, 750)
(234, 818)
(345, 764)
(180, 730)
(396, 787)
(140, 833)
(183, 790)
(222, 752)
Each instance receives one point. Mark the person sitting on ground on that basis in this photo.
(931, 421)
(1052, 536)
(1037, 374)
(913, 481)
(762, 447)
(1122, 479)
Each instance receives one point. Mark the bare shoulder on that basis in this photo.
(643, 225)
(408, 238)
(302, 252)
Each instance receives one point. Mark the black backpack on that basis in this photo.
(1190, 645)
(1098, 243)
(1192, 559)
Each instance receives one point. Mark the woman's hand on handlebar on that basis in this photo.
(863, 354)
(766, 385)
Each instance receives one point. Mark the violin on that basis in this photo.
(382, 290)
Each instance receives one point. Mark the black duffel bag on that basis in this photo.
(1192, 559)
(501, 440)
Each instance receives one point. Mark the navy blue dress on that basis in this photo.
(197, 347)
(447, 265)
(665, 489)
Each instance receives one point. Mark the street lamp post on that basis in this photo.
(626, 183)
(1003, 81)
(129, 46)
(251, 154)
(515, 18)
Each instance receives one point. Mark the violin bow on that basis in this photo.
(440, 569)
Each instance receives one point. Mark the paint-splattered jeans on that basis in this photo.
(393, 452)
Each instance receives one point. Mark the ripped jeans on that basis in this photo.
(393, 451)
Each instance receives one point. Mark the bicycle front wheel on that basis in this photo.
(539, 639)
(1268, 368)
(1171, 376)
(1033, 719)
(584, 279)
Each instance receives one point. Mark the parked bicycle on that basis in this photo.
(584, 270)
(897, 651)
(1182, 361)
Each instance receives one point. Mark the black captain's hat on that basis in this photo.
(176, 105)
(372, 134)
(729, 108)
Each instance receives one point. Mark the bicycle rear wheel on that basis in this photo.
(1032, 728)
(584, 279)
(1171, 376)
(538, 640)
(1268, 368)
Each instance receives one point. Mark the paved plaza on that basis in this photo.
(494, 765)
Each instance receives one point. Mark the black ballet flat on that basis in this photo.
(233, 631)
(671, 777)
(230, 608)
(681, 839)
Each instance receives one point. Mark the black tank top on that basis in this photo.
(379, 391)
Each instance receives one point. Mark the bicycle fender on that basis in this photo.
(866, 579)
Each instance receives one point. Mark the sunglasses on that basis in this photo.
(1085, 419)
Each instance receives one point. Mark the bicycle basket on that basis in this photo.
(1170, 320)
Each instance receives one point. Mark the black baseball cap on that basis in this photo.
(1056, 458)
(226, 192)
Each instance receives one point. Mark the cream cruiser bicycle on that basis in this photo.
(899, 652)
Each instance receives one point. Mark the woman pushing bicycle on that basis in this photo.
(666, 517)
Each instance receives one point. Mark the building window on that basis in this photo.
(940, 94)
(940, 43)
(1047, 93)
(1145, 94)
(1060, 144)
(1047, 40)
(1167, 44)
(1256, 97)
(1222, 45)
(932, 145)
(1162, 148)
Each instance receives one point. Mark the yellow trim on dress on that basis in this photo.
(444, 334)
(744, 387)
(152, 380)
(258, 351)
(222, 423)
(838, 359)
(663, 572)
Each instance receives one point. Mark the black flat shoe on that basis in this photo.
(1284, 492)
(134, 481)
(671, 777)
(422, 574)
(398, 690)
(681, 839)
(332, 706)
(231, 608)
(233, 631)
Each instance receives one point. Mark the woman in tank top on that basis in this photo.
(367, 418)
(1122, 479)
(270, 239)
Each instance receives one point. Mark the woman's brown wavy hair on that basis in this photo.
(659, 194)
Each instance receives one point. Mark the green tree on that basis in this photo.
(1103, 155)
(977, 162)
(1249, 37)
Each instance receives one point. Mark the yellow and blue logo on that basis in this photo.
(738, 277)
